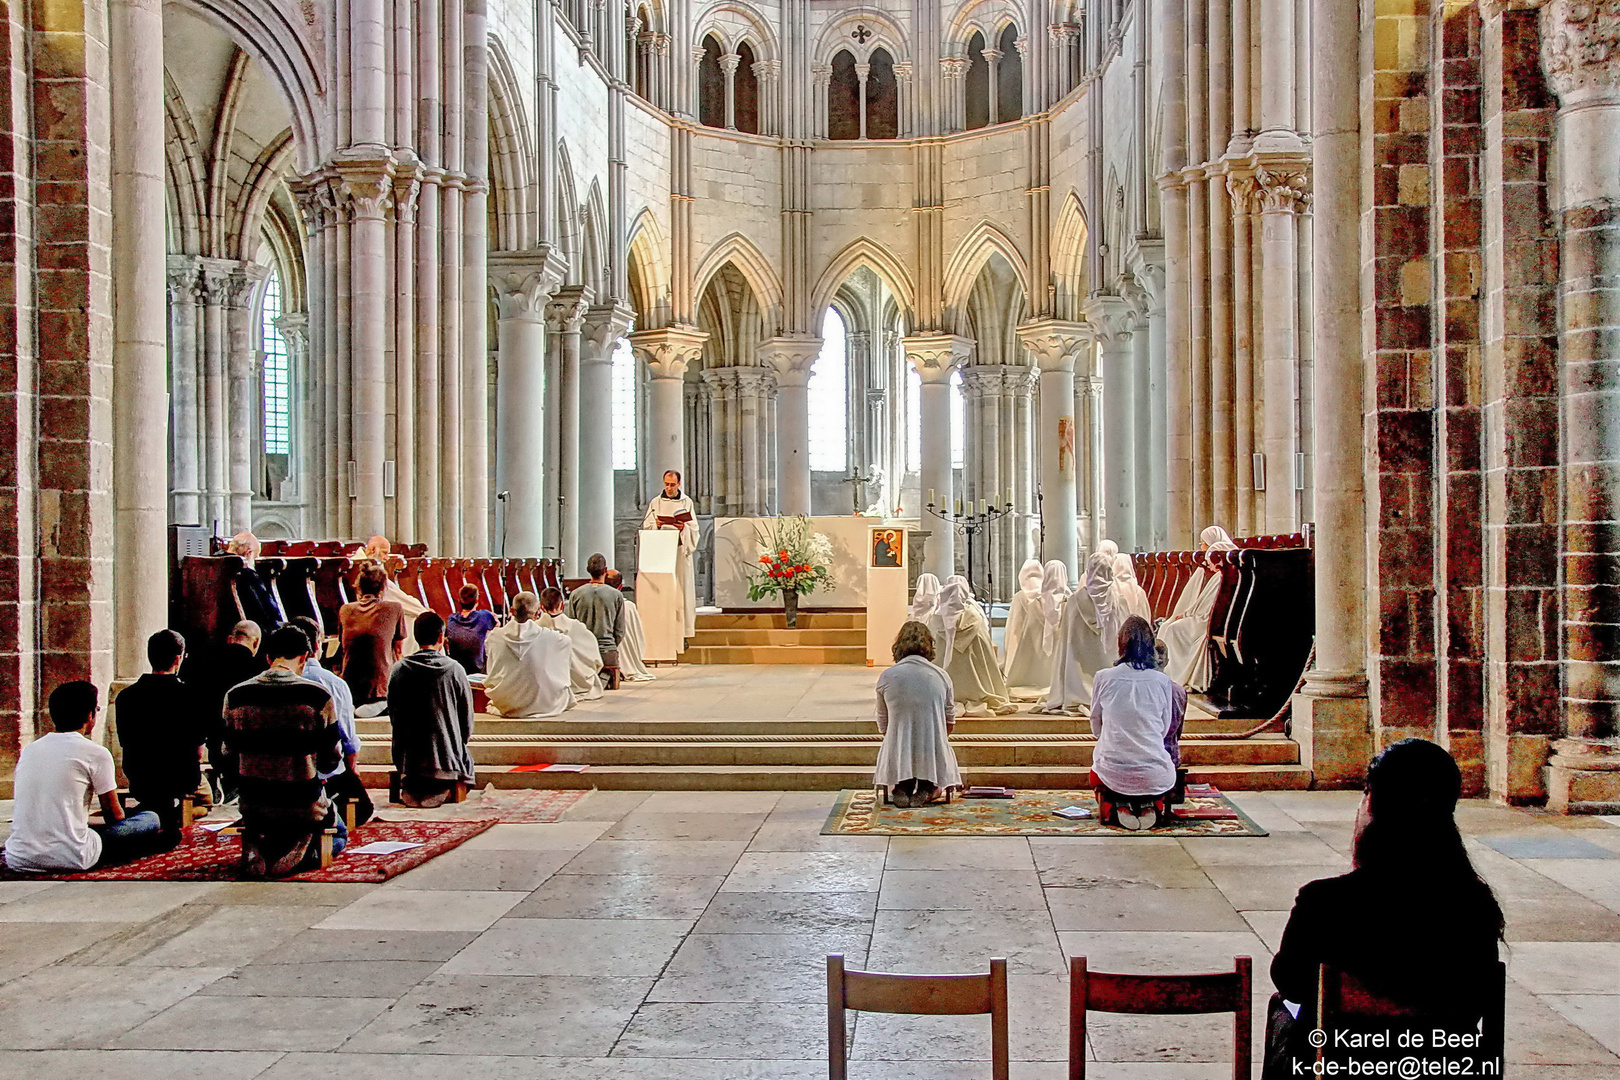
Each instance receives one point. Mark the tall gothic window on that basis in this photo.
(829, 405)
(882, 98)
(277, 374)
(1009, 78)
(844, 99)
(913, 419)
(978, 84)
(958, 423)
(711, 86)
(746, 89)
(624, 406)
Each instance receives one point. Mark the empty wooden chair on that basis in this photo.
(492, 572)
(1342, 1000)
(1222, 991)
(915, 995)
(295, 589)
(436, 592)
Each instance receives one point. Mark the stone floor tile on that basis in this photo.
(1264, 812)
(1037, 1008)
(961, 890)
(807, 871)
(789, 835)
(1149, 1070)
(1312, 806)
(25, 947)
(646, 824)
(678, 857)
(1565, 917)
(1133, 1038)
(330, 978)
(711, 802)
(488, 870)
(1268, 926)
(1287, 849)
(943, 942)
(1136, 907)
(542, 836)
(618, 896)
(1090, 862)
(1566, 1072)
(959, 853)
(395, 908)
(1166, 953)
(272, 1023)
(757, 967)
(956, 1070)
(318, 946)
(135, 1064)
(1566, 967)
(465, 1014)
(1539, 1035)
(284, 893)
(436, 1066)
(606, 948)
(228, 937)
(727, 1030)
(1598, 881)
(1537, 846)
(68, 1007)
(1596, 1014)
(16, 890)
(805, 802)
(1477, 817)
(103, 901)
(773, 913)
(607, 806)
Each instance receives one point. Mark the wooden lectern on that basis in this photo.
(658, 595)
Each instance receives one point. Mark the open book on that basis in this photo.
(674, 521)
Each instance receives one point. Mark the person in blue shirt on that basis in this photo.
(466, 631)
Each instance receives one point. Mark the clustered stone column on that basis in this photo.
(1112, 324)
(740, 423)
(565, 315)
(604, 325)
(996, 406)
(666, 353)
(792, 358)
(936, 357)
(1057, 347)
(523, 287)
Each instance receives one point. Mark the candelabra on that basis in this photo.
(973, 523)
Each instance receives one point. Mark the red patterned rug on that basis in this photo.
(202, 856)
(517, 806)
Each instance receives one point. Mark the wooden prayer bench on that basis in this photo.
(192, 806)
(328, 836)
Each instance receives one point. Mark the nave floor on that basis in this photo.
(682, 935)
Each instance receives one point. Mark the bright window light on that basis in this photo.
(277, 408)
(829, 403)
(624, 406)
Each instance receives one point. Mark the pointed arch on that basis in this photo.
(568, 237)
(1069, 272)
(265, 175)
(648, 271)
(971, 254)
(884, 32)
(881, 261)
(187, 185)
(513, 194)
(752, 264)
(594, 261)
(733, 23)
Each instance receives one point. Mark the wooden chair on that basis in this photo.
(1342, 998)
(1222, 991)
(915, 995)
(436, 587)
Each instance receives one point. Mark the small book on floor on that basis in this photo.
(1206, 813)
(987, 792)
(1072, 812)
(1202, 791)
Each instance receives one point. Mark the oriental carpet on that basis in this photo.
(1028, 813)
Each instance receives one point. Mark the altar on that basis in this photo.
(737, 550)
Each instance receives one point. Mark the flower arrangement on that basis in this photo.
(792, 560)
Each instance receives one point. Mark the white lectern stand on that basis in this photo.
(886, 602)
(658, 595)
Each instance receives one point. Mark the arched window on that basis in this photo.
(746, 90)
(624, 405)
(829, 407)
(978, 84)
(641, 60)
(913, 419)
(882, 98)
(958, 423)
(711, 86)
(1009, 78)
(843, 99)
(276, 371)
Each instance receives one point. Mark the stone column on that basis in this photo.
(792, 359)
(303, 434)
(475, 493)
(1057, 346)
(1091, 387)
(666, 352)
(366, 186)
(821, 77)
(214, 281)
(243, 399)
(523, 285)
(605, 324)
(565, 314)
(139, 370)
(1171, 19)
(936, 357)
(769, 75)
(1116, 414)
(904, 94)
(753, 386)
(1282, 196)
(1581, 57)
(992, 60)
(861, 72)
(1277, 93)
(728, 68)
(1332, 719)
(185, 449)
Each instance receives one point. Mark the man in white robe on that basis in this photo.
(529, 665)
(1026, 657)
(673, 510)
(633, 646)
(585, 672)
(1185, 633)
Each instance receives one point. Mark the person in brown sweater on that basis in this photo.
(373, 630)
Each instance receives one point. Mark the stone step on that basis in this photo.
(776, 620)
(821, 655)
(587, 722)
(709, 638)
(812, 778)
(972, 751)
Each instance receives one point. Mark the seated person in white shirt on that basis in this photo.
(56, 776)
(529, 665)
(1136, 713)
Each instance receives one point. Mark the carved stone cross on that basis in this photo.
(860, 33)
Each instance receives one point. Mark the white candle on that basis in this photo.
(930, 496)
(981, 506)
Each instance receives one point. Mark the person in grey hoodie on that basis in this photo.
(430, 710)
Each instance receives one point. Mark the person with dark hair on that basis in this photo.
(633, 644)
(55, 777)
(285, 734)
(916, 710)
(1136, 714)
(343, 784)
(373, 631)
(211, 673)
(600, 608)
(163, 729)
(1405, 851)
(467, 632)
(430, 711)
(586, 667)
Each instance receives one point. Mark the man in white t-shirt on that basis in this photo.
(56, 775)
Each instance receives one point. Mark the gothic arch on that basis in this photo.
(594, 254)
(513, 194)
(988, 17)
(734, 23)
(567, 211)
(971, 254)
(1069, 276)
(864, 252)
(741, 253)
(264, 177)
(648, 271)
(883, 32)
(187, 183)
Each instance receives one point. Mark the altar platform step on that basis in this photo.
(777, 620)
(762, 637)
(583, 722)
(700, 652)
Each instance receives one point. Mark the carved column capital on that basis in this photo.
(294, 330)
(185, 280)
(668, 350)
(1056, 344)
(1282, 190)
(1580, 49)
(791, 357)
(729, 62)
(935, 357)
(565, 311)
(1111, 320)
(525, 281)
(604, 325)
(902, 71)
(1243, 189)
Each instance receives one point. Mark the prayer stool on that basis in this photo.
(348, 815)
(613, 677)
(328, 836)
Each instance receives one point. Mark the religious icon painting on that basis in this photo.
(1065, 433)
(888, 548)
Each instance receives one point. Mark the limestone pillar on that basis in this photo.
(605, 324)
(1332, 720)
(1282, 197)
(242, 406)
(1582, 62)
(728, 68)
(935, 358)
(1111, 321)
(215, 283)
(992, 60)
(523, 285)
(861, 72)
(792, 359)
(1089, 408)
(666, 352)
(185, 442)
(754, 388)
(1171, 19)
(365, 186)
(1057, 346)
(474, 268)
(139, 374)
(565, 314)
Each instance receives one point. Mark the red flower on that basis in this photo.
(765, 558)
(782, 553)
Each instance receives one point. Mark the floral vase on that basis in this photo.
(790, 608)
